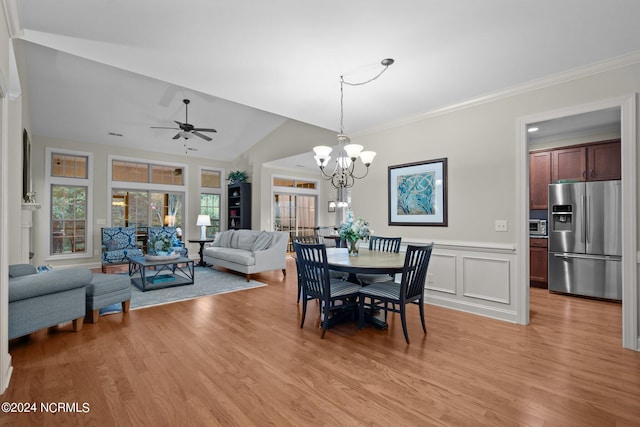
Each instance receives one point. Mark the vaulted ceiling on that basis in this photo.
(104, 67)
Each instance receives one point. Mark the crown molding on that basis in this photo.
(14, 20)
(551, 80)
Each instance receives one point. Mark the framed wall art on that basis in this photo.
(418, 193)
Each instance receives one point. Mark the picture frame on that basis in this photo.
(26, 166)
(418, 193)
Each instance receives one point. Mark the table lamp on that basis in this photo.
(203, 222)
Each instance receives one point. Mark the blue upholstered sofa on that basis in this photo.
(42, 300)
(118, 245)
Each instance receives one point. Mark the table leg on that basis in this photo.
(201, 263)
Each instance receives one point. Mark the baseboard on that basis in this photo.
(473, 308)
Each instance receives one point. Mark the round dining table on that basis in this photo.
(366, 262)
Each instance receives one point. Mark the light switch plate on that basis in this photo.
(501, 225)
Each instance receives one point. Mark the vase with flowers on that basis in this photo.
(353, 230)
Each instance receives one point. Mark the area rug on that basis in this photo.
(208, 281)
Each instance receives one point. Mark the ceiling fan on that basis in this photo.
(186, 129)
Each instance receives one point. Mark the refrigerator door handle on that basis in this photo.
(596, 257)
(583, 235)
(586, 217)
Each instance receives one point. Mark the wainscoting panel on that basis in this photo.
(474, 277)
(480, 276)
(441, 275)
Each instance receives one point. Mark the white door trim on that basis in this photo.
(627, 105)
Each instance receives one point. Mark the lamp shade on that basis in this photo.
(203, 220)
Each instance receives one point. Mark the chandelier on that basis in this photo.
(342, 174)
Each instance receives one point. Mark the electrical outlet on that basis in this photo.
(96, 252)
(501, 225)
(430, 278)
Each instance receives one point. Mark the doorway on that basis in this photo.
(294, 214)
(626, 106)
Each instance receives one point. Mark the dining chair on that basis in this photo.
(382, 244)
(313, 270)
(409, 290)
(315, 239)
(310, 239)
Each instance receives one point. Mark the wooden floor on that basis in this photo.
(240, 359)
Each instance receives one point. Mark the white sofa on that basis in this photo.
(248, 251)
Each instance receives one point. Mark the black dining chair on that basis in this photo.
(313, 270)
(409, 290)
(382, 244)
(310, 239)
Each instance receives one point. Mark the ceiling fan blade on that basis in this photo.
(205, 137)
(179, 124)
(205, 130)
(177, 136)
(162, 127)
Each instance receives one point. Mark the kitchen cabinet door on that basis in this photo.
(604, 161)
(539, 179)
(538, 263)
(569, 163)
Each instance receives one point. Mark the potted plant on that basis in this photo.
(237, 177)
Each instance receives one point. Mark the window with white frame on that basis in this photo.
(211, 197)
(147, 193)
(69, 200)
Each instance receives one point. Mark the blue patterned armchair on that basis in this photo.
(170, 232)
(118, 245)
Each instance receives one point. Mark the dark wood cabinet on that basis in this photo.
(239, 206)
(539, 179)
(538, 262)
(569, 164)
(592, 162)
(604, 161)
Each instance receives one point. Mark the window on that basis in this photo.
(69, 166)
(129, 171)
(143, 208)
(69, 203)
(293, 183)
(68, 219)
(210, 198)
(210, 205)
(145, 193)
(210, 179)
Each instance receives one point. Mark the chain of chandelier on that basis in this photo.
(343, 173)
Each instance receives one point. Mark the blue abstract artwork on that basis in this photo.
(416, 194)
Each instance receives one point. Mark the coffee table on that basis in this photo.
(166, 273)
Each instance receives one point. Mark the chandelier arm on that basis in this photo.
(360, 177)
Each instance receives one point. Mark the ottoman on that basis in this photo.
(104, 290)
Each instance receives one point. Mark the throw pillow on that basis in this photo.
(111, 245)
(263, 241)
(224, 239)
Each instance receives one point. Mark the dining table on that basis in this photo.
(366, 262)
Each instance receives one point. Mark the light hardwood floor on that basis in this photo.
(241, 359)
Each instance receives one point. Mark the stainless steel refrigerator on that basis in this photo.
(585, 239)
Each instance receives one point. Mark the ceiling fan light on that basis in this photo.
(185, 135)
